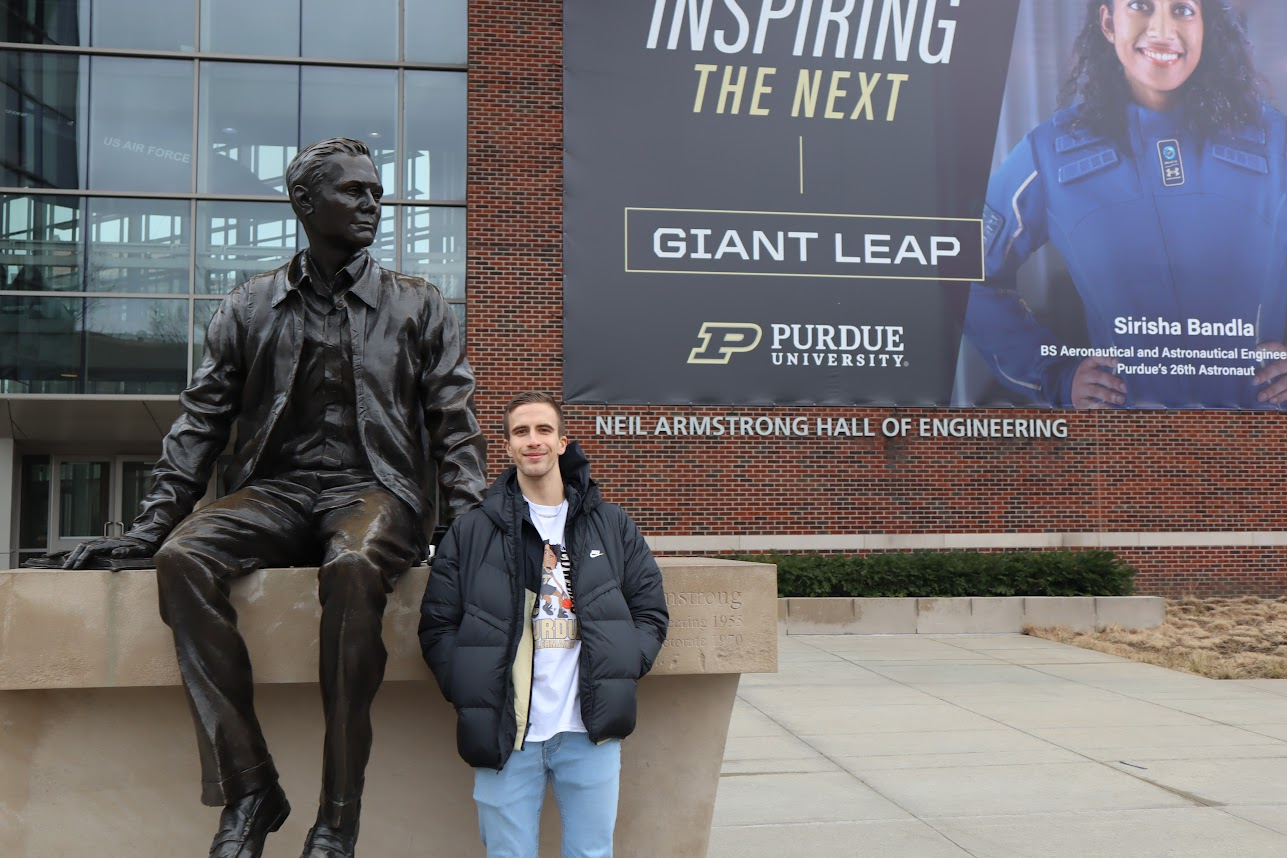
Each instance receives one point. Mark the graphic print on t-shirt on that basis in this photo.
(555, 624)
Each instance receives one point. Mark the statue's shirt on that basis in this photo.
(319, 431)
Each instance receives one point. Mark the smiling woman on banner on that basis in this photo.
(1162, 185)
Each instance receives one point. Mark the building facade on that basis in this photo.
(145, 143)
(142, 180)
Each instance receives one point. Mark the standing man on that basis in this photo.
(543, 610)
(337, 374)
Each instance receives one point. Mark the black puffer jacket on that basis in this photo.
(475, 620)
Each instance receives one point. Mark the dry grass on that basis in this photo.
(1242, 638)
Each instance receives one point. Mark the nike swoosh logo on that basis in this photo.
(595, 553)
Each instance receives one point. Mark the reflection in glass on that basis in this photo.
(154, 25)
(140, 124)
(459, 310)
(370, 99)
(92, 345)
(136, 345)
(39, 243)
(40, 143)
(51, 22)
(33, 509)
(249, 127)
(202, 311)
(434, 247)
(384, 249)
(138, 246)
(136, 480)
(273, 30)
(434, 136)
(235, 241)
(435, 31)
(84, 498)
(40, 346)
(332, 30)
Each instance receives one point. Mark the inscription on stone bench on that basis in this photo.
(705, 619)
(711, 629)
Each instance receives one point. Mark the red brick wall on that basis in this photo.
(1209, 571)
(1116, 472)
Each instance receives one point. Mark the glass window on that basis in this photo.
(140, 121)
(264, 28)
(434, 136)
(249, 127)
(40, 346)
(136, 345)
(342, 29)
(40, 130)
(33, 511)
(93, 345)
(84, 498)
(44, 22)
(40, 243)
(136, 480)
(238, 240)
(435, 31)
(370, 99)
(153, 25)
(138, 246)
(434, 247)
(384, 249)
(203, 311)
(459, 310)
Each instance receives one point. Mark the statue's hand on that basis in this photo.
(109, 546)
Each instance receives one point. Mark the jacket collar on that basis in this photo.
(362, 273)
(503, 498)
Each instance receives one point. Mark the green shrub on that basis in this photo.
(952, 573)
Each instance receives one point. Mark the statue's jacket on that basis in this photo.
(412, 383)
(476, 616)
(1159, 228)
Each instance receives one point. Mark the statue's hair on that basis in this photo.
(306, 166)
(1224, 91)
(534, 398)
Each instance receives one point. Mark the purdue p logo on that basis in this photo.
(719, 340)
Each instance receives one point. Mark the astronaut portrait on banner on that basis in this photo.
(1161, 183)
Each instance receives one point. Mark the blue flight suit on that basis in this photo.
(1146, 237)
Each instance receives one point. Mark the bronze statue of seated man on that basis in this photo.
(341, 378)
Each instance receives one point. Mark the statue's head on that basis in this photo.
(335, 191)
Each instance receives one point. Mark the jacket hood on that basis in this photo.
(582, 492)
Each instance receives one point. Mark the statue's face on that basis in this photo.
(345, 203)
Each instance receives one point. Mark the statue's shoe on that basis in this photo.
(326, 842)
(247, 822)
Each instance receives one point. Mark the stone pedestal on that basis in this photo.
(97, 754)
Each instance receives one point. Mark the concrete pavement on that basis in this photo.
(997, 745)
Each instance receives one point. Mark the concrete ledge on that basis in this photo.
(969, 615)
(1130, 612)
(966, 615)
(1074, 612)
(851, 616)
(97, 756)
(99, 629)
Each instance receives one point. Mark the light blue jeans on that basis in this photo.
(586, 778)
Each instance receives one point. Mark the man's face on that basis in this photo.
(1159, 43)
(534, 442)
(343, 206)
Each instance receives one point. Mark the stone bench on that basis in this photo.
(97, 754)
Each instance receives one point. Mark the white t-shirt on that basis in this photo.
(556, 670)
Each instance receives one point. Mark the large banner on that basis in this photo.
(943, 202)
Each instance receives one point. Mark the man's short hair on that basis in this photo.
(305, 168)
(533, 398)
